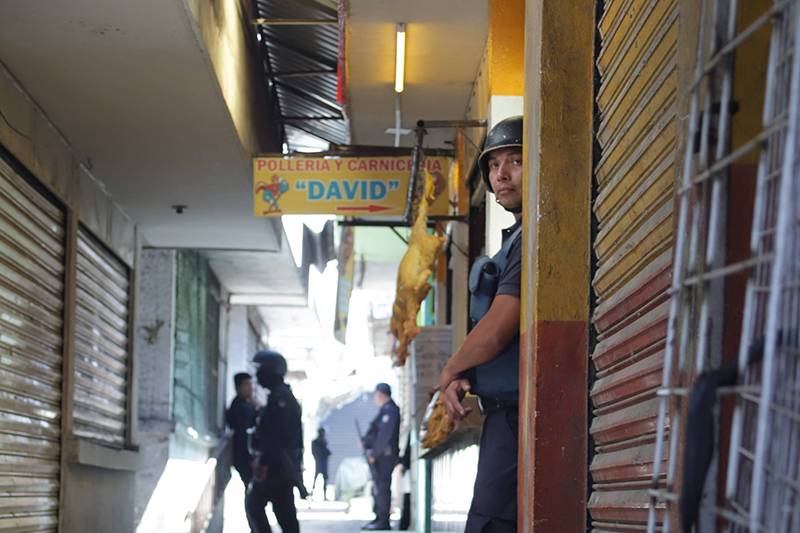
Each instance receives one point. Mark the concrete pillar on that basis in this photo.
(155, 335)
(155, 303)
(554, 354)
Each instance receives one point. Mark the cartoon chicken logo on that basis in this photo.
(271, 192)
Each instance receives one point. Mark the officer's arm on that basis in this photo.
(488, 338)
(368, 440)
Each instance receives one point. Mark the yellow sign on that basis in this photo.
(347, 186)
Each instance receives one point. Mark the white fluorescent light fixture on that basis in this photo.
(400, 58)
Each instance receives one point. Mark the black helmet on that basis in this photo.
(505, 134)
(270, 363)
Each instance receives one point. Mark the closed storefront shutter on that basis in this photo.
(101, 344)
(635, 179)
(31, 337)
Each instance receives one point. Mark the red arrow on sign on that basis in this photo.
(370, 208)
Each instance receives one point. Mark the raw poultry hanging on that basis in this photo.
(416, 268)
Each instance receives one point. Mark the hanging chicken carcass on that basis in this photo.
(415, 269)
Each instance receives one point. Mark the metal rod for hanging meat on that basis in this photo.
(417, 156)
(430, 124)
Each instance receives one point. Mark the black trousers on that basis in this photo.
(494, 501)
(382, 490)
(281, 494)
(321, 470)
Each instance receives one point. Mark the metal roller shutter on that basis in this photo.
(635, 179)
(32, 259)
(101, 344)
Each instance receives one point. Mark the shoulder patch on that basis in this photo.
(385, 418)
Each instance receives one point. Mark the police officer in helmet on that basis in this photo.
(277, 449)
(487, 364)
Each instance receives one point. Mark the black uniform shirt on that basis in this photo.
(240, 417)
(280, 432)
(320, 451)
(383, 437)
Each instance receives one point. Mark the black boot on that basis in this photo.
(377, 526)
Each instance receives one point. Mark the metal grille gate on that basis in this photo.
(766, 427)
(101, 344)
(32, 258)
(763, 491)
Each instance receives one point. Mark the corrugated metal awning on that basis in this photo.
(300, 44)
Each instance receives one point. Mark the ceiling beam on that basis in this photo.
(266, 7)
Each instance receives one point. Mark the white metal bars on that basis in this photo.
(695, 324)
(763, 480)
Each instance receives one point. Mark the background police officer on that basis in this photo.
(240, 417)
(382, 445)
(278, 449)
(488, 361)
(321, 453)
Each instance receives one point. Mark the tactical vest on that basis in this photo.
(499, 378)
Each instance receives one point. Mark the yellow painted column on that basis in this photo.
(556, 266)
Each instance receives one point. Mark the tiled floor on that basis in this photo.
(327, 526)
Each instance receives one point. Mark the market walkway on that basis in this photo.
(314, 516)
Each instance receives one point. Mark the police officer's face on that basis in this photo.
(379, 398)
(505, 175)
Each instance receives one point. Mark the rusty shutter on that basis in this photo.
(635, 178)
(32, 259)
(101, 344)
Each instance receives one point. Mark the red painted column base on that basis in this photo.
(553, 464)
